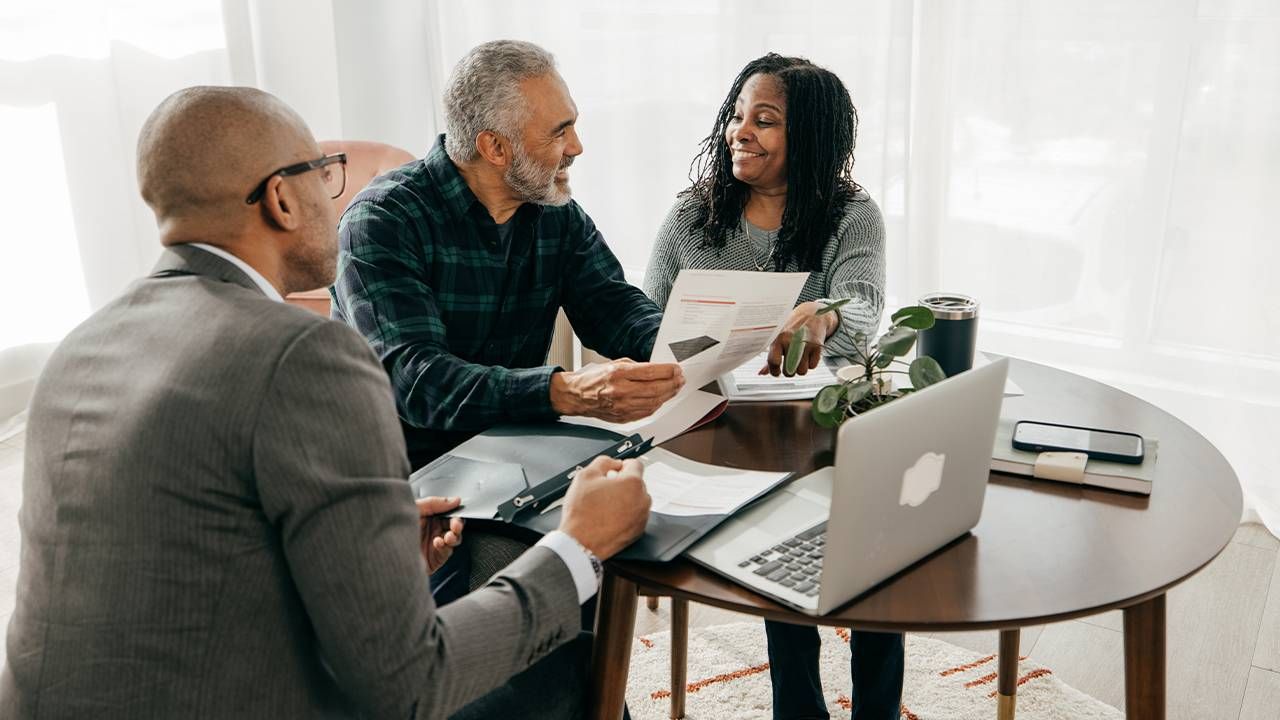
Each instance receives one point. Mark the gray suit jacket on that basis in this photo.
(216, 524)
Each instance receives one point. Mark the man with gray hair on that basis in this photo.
(453, 268)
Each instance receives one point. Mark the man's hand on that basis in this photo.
(617, 391)
(817, 328)
(607, 506)
(439, 536)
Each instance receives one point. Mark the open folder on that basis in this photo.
(689, 498)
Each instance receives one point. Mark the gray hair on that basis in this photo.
(484, 93)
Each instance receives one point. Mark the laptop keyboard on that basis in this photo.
(795, 563)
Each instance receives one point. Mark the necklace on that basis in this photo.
(752, 239)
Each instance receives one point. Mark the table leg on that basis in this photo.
(1007, 674)
(611, 651)
(679, 655)
(1144, 660)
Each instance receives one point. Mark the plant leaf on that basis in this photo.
(795, 351)
(828, 399)
(884, 361)
(925, 371)
(858, 391)
(897, 341)
(827, 420)
(832, 307)
(916, 317)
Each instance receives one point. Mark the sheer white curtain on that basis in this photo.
(76, 81)
(1098, 173)
(78, 78)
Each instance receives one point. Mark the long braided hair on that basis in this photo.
(822, 127)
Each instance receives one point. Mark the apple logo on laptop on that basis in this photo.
(922, 479)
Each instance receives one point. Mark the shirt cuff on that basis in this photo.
(575, 558)
(528, 393)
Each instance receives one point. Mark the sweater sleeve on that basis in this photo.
(857, 272)
(664, 261)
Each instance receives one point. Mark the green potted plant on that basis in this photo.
(870, 386)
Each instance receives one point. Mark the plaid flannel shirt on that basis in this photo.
(461, 322)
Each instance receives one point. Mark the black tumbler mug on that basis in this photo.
(953, 339)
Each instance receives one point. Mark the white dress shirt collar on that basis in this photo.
(267, 288)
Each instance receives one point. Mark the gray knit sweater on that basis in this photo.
(852, 263)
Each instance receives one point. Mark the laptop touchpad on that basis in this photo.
(779, 516)
(786, 514)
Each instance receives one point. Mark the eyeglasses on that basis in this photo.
(335, 179)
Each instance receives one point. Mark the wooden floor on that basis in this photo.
(1223, 635)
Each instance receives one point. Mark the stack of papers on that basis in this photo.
(682, 487)
(679, 486)
(745, 384)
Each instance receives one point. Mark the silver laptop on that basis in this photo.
(909, 478)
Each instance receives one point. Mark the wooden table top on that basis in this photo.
(1042, 552)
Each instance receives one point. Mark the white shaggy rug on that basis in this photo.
(728, 677)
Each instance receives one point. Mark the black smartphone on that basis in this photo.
(1110, 445)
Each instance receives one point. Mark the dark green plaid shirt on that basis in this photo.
(461, 322)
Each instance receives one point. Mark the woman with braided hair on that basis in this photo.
(772, 189)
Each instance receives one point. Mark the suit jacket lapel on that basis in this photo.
(185, 260)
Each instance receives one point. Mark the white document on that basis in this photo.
(714, 321)
(684, 487)
(746, 384)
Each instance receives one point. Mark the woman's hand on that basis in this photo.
(817, 329)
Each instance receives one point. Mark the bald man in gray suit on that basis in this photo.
(216, 521)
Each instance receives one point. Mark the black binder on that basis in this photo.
(550, 450)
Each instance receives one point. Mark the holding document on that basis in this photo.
(773, 190)
(715, 320)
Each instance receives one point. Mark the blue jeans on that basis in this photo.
(877, 666)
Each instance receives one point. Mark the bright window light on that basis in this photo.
(42, 287)
(86, 28)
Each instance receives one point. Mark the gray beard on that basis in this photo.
(533, 184)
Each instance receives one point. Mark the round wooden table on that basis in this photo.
(1043, 552)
